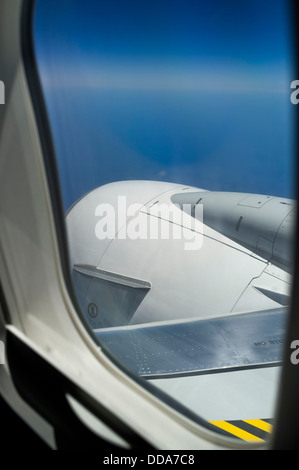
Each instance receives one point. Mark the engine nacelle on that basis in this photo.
(242, 260)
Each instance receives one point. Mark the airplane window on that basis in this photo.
(173, 129)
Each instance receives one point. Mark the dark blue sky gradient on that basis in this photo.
(195, 92)
(253, 31)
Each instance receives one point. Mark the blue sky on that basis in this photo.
(194, 92)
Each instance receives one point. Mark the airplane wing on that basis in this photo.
(181, 348)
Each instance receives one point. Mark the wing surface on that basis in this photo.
(179, 348)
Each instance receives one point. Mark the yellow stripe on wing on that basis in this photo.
(235, 431)
(259, 423)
